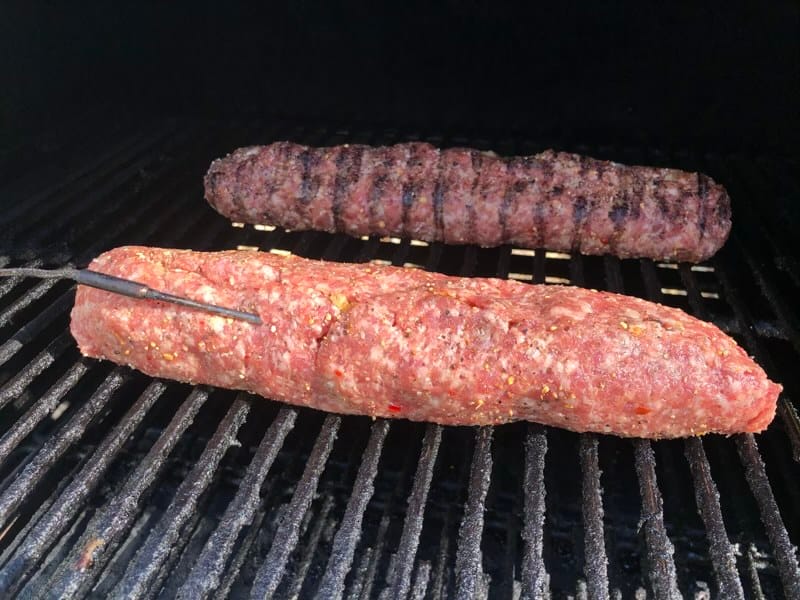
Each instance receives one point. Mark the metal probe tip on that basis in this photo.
(125, 287)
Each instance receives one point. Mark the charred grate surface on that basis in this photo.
(534, 574)
(286, 537)
(596, 568)
(346, 540)
(470, 580)
(720, 548)
(205, 576)
(785, 552)
(114, 484)
(412, 526)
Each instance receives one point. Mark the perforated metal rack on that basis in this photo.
(116, 485)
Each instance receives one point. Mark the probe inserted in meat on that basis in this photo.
(392, 342)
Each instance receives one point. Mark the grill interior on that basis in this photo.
(112, 483)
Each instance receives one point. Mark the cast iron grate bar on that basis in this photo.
(423, 576)
(144, 569)
(785, 408)
(56, 445)
(402, 564)
(534, 573)
(706, 493)
(785, 552)
(13, 545)
(285, 539)
(205, 576)
(470, 578)
(70, 161)
(272, 489)
(595, 556)
(659, 548)
(170, 190)
(443, 575)
(53, 524)
(660, 551)
(31, 330)
(233, 569)
(29, 297)
(759, 182)
(22, 378)
(774, 298)
(9, 283)
(438, 578)
(90, 211)
(349, 533)
(758, 238)
(754, 467)
(361, 588)
(95, 547)
(126, 179)
(38, 291)
(415, 513)
(752, 572)
(596, 567)
(43, 407)
(707, 496)
(306, 553)
(42, 201)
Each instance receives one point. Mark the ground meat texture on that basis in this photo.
(552, 200)
(391, 342)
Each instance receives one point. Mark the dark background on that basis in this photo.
(679, 76)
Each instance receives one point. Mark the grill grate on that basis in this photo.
(115, 484)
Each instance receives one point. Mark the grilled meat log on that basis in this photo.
(552, 200)
(392, 342)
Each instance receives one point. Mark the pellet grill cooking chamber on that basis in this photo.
(114, 484)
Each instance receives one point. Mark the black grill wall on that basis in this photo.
(683, 75)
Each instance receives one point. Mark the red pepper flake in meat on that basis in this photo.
(641, 410)
(393, 408)
(86, 558)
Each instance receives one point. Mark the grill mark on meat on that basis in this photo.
(723, 209)
(620, 209)
(380, 175)
(581, 206)
(348, 169)
(638, 186)
(702, 193)
(662, 203)
(537, 208)
(438, 194)
(213, 183)
(305, 182)
(546, 168)
(513, 186)
(311, 181)
(476, 157)
(281, 156)
(236, 197)
(410, 187)
(443, 172)
(580, 211)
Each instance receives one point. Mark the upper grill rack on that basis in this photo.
(117, 484)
